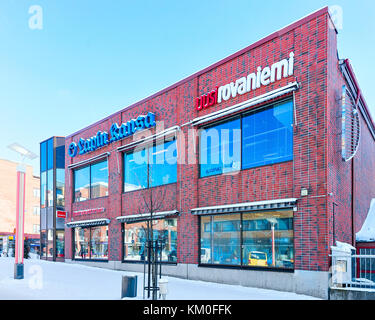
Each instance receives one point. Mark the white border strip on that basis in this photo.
(85, 222)
(83, 162)
(169, 131)
(147, 215)
(246, 204)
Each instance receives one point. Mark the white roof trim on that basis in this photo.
(166, 132)
(88, 222)
(246, 206)
(81, 163)
(246, 104)
(147, 216)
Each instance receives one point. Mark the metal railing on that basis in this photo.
(356, 271)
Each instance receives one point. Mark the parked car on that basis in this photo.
(205, 255)
(258, 258)
(172, 256)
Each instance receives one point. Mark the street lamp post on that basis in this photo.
(20, 208)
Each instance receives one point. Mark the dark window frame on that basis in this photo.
(123, 260)
(88, 246)
(241, 265)
(74, 180)
(241, 116)
(50, 150)
(147, 147)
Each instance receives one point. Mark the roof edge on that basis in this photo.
(351, 79)
(278, 33)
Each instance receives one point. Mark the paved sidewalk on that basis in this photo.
(45, 280)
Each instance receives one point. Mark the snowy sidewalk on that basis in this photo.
(57, 280)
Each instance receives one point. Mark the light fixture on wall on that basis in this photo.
(304, 192)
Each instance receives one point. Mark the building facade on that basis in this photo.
(252, 168)
(8, 196)
(52, 198)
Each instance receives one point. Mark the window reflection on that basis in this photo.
(270, 235)
(43, 186)
(50, 193)
(220, 148)
(99, 243)
(266, 239)
(50, 243)
(43, 156)
(60, 243)
(82, 184)
(267, 136)
(163, 163)
(220, 242)
(60, 187)
(150, 167)
(43, 244)
(91, 182)
(91, 243)
(135, 170)
(81, 241)
(50, 154)
(254, 139)
(135, 239)
(99, 180)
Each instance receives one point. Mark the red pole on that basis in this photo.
(20, 217)
(273, 244)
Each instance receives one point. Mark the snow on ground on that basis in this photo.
(45, 280)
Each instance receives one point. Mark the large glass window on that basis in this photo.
(264, 239)
(151, 166)
(262, 137)
(60, 243)
(220, 148)
(267, 136)
(99, 179)
(135, 237)
(91, 243)
(268, 239)
(135, 170)
(136, 234)
(60, 187)
(43, 187)
(91, 182)
(221, 240)
(50, 243)
(43, 156)
(43, 244)
(81, 243)
(165, 230)
(60, 156)
(82, 184)
(50, 154)
(99, 242)
(163, 163)
(50, 193)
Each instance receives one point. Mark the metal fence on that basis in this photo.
(355, 270)
(365, 266)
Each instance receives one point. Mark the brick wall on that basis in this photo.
(313, 42)
(345, 215)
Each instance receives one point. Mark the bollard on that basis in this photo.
(129, 286)
(163, 285)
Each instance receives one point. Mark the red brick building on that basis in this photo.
(260, 177)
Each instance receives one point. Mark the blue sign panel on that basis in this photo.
(116, 133)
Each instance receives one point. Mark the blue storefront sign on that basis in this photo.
(116, 133)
